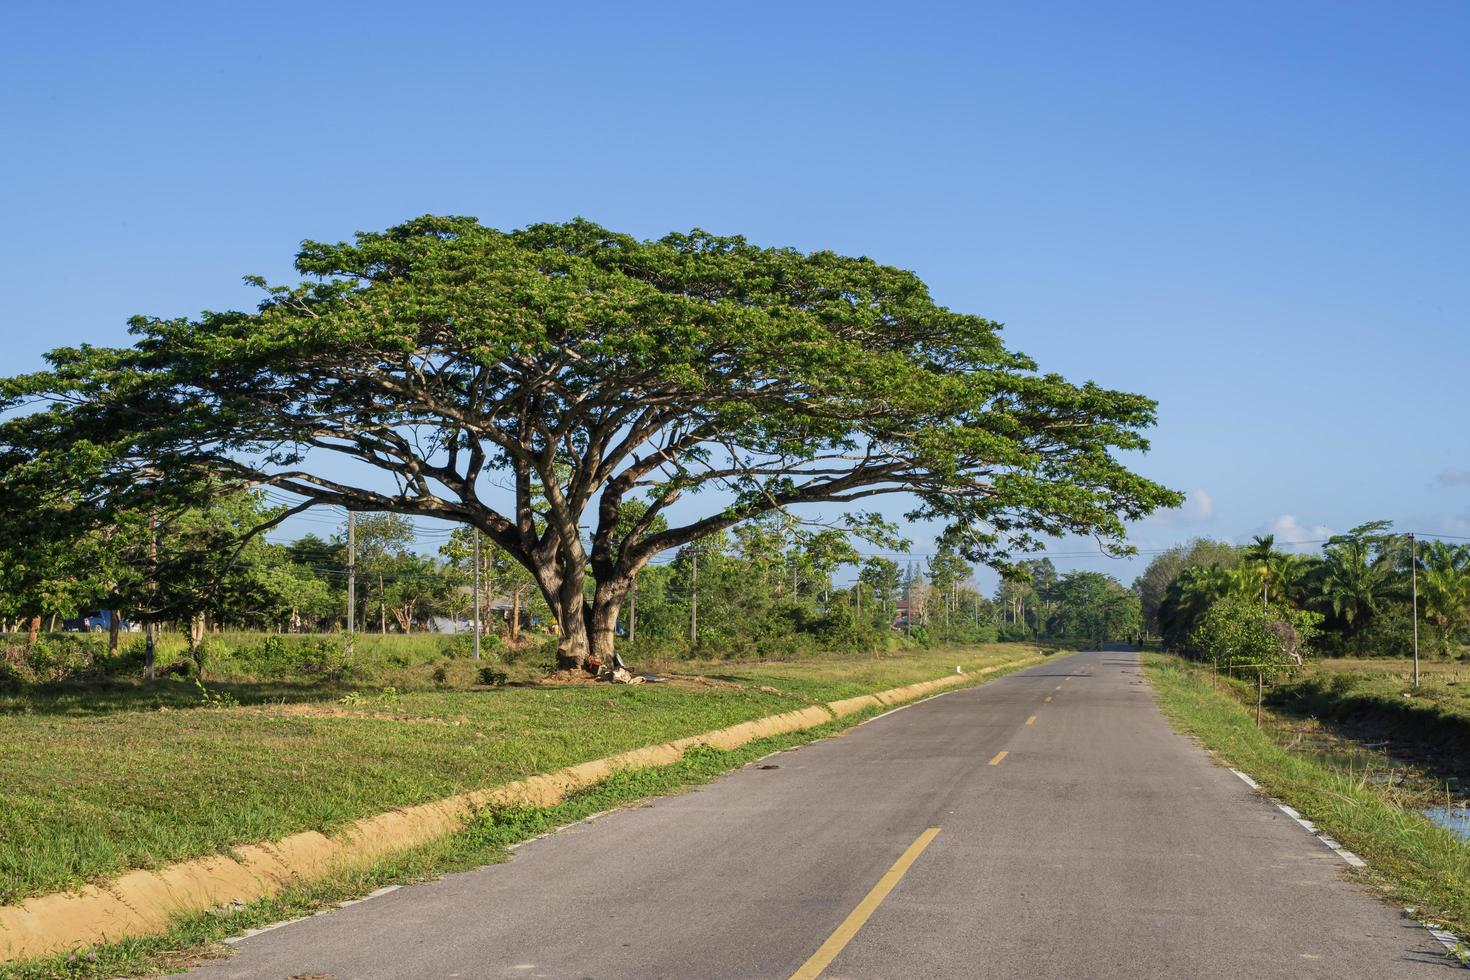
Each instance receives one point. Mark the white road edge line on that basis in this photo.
(1246, 779)
(1448, 940)
(248, 933)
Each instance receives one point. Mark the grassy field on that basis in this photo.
(95, 780)
(1375, 700)
(403, 661)
(1443, 683)
(833, 678)
(1355, 793)
(192, 938)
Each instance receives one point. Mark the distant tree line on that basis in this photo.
(1357, 591)
(1090, 607)
(767, 585)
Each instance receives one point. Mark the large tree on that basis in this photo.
(1161, 572)
(417, 369)
(1093, 606)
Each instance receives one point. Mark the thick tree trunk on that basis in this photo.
(568, 601)
(572, 649)
(602, 618)
(112, 629)
(35, 628)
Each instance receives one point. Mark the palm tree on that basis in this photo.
(1444, 585)
(1290, 577)
(1353, 582)
(1187, 599)
(1260, 556)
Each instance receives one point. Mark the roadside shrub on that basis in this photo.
(542, 653)
(127, 662)
(62, 658)
(1346, 682)
(441, 675)
(1237, 632)
(1390, 633)
(338, 668)
(273, 655)
(492, 677)
(183, 667)
(462, 645)
(11, 679)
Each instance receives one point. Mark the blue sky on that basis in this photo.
(1255, 213)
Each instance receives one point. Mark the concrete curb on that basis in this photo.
(141, 902)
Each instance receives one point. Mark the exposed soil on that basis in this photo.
(698, 680)
(563, 678)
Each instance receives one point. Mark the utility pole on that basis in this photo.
(1259, 696)
(694, 597)
(150, 638)
(908, 617)
(1414, 578)
(477, 593)
(351, 577)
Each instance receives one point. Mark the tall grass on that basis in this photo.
(1416, 862)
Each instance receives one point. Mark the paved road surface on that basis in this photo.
(1101, 844)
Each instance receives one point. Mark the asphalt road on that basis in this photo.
(1100, 844)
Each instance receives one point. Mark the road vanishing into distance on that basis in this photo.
(1048, 824)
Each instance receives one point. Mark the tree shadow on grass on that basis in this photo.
(121, 695)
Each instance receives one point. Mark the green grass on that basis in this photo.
(94, 782)
(284, 661)
(831, 679)
(1376, 700)
(1444, 685)
(1413, 861)
(194, 937)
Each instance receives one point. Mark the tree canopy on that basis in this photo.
(582, 369)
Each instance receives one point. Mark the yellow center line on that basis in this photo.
(855, 920)
(999, 756)
(1031, 720)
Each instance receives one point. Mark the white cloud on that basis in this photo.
(1290, 532)
(1453, 476)
(1198, 507)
